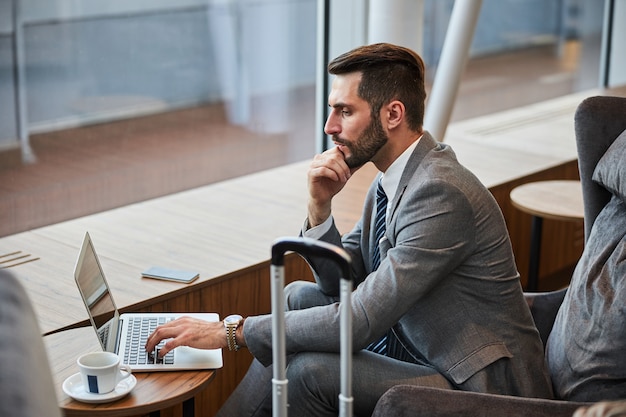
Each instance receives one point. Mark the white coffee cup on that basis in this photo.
(101, 371)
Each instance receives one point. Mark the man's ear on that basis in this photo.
(394, 112)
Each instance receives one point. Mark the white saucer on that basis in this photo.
(73, 386)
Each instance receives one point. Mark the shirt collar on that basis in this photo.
(391, 177)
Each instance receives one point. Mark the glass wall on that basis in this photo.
(522, 51)
(77, 62)
(141, 98)
(107, 103)
(86, 62)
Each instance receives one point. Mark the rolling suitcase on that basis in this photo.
(309, 247)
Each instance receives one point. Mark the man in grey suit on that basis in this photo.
(437, 297)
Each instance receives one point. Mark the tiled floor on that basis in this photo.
(89, 169)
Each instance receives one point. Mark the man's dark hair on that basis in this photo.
(389, 72)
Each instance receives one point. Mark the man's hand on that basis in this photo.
(328, 174)
(187, 331)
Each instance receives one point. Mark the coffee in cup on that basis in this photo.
(101, 371)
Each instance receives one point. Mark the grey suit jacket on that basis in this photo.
(447, 284)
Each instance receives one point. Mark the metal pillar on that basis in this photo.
(451, 65)
(20, 89)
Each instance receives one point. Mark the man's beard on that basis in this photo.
(365, 147)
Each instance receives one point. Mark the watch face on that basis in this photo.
(233, 319)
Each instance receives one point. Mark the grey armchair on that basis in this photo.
(26, 385)
(599, 122)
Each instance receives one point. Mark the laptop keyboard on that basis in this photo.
(139, 329)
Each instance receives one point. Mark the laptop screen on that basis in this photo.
(96, 295)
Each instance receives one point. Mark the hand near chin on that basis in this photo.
(328, 174)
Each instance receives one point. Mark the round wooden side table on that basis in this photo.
(154, 390)
(556, 200)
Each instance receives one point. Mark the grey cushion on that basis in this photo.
(26, 386)
(586, 349)
(611, 169)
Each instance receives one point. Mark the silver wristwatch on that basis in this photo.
(231, 323)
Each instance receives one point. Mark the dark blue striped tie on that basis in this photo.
(379, 226)
(379, 346)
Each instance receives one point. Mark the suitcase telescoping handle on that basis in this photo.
(309, 247)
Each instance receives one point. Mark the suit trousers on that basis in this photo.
(314, 377)
(314, 384)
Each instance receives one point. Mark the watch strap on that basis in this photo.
(231, 332)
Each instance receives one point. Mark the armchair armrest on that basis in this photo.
(544, 307)
(414, 401)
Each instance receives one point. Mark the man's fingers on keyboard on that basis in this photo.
(155, 358)
(160, 333)
(167, 347)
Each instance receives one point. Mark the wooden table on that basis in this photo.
(154, 390)
(556, 200)
(217, 230)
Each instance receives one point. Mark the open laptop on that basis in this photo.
(126, 334)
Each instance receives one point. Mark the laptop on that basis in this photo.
(126, 334)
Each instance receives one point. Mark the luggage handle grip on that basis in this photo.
(311, 247)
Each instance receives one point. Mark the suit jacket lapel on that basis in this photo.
(425, 145)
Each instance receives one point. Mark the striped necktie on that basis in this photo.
(379, 346)
(381, 214)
